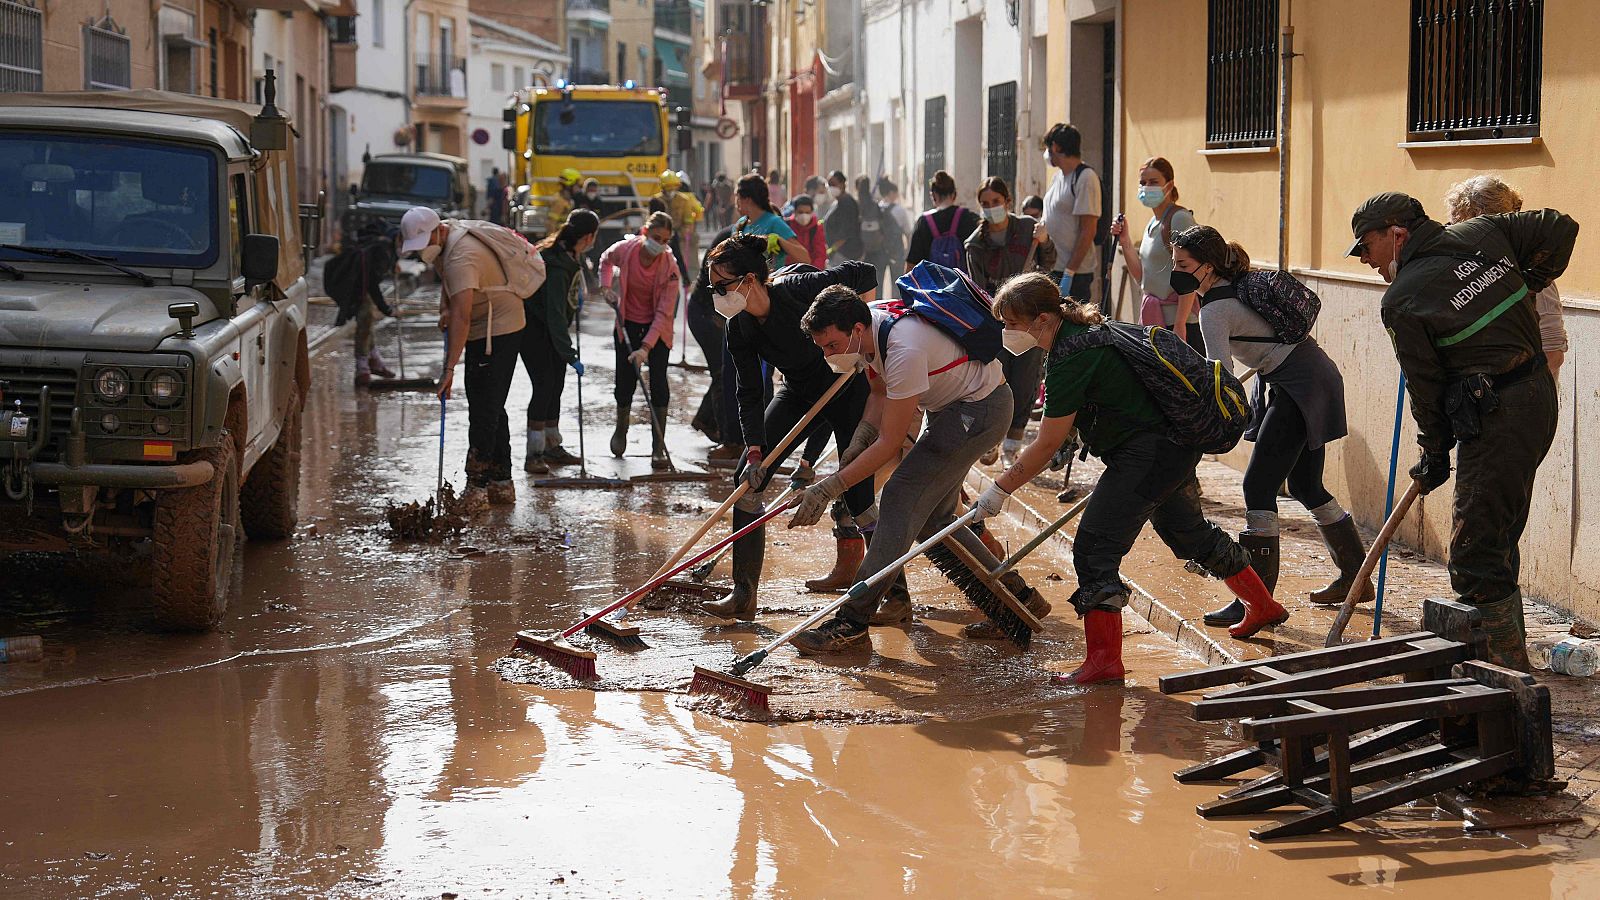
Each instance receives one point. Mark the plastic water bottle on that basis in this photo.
(1575, 656)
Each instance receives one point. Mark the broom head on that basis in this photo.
(978, 592)
(746, 694)
(624, 636)
(577, 663)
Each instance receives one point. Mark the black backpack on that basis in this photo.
(1284, 301)
(1203, 404)
(1102, 224)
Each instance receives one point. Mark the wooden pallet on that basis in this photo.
(1343, 748)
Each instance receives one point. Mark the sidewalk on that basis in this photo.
(1173, 600)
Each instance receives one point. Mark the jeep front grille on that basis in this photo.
(24, 384)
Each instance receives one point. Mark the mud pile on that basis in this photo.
(425, 521)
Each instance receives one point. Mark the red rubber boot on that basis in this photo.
(1104, 659)
(1261, 611)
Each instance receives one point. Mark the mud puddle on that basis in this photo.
(359, 729)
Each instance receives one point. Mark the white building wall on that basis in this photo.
(485, 104)
(376, 107)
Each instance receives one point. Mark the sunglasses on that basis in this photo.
(720, 288)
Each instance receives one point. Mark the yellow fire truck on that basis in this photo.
(615, 135)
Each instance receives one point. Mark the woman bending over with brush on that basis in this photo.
(1147, 477)
(1299, 409)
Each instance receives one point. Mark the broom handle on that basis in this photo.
(861, 587)
(1040, 538)
(744, 484)
(657, 580)
(1374, 553)
(791, 489)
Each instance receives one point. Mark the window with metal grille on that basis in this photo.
(21, 47)
(1003, 132)
(106, 60)
(1476, 67)
(933, 135)
(1242, 74)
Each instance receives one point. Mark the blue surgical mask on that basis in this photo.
(1151, 195)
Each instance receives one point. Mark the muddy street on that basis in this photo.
(358, 727)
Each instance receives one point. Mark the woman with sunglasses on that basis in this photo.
(763, 312)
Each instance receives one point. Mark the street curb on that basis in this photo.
(1158, 615)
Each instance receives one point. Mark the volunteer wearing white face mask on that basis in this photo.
(1005, 246)
(808, 230)
(763, 313)
(485, 322)
(646, 300)
(1151, 262)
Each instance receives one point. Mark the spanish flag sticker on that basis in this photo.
(159, 450)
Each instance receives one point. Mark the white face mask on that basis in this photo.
(1018, 342)
(802, 219)
(653, 246)
(994, 213)
(429, 253)
(834, 192)
(730, 304)
(1047, 160)
(842, 363)
(1392, 271)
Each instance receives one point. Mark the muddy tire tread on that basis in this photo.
(269, 499)
(184, 552)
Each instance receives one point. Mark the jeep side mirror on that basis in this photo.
(259, 259)
(184, 313)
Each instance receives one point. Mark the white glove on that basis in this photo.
(991, 502)
(639, 357)
(814, 501)
(866, 434)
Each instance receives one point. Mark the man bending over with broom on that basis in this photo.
(763, 313)
(913, 364)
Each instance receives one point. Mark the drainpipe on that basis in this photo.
(1285, 92)
(407, 70)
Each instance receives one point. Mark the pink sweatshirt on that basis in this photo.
(619, 263)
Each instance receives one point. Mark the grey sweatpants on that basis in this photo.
(920, 497)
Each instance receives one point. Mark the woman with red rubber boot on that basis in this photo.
(1147, 476)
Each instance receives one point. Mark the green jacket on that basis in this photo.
(1462, 303)
(556, 303)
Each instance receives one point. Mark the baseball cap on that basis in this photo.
(416, 226)
(1381, 211)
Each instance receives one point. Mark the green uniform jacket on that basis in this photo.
(557, 301)
(1463, 303)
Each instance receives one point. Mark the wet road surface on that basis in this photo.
(352, 732)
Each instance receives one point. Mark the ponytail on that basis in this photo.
(1227, 258)
(580, 224)
(1033, 294)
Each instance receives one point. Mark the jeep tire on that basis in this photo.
(270, 499)
(196, 540)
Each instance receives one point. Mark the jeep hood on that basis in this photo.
(91, 316)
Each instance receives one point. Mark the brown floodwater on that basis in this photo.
(358, 728)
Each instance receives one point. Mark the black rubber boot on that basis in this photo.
(1507, 633)
(749, 552)
(1348, 553)
(619, 436)
(1263, 550)
(658, 444)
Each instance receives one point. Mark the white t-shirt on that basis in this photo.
(922, 361)
(1064, 201)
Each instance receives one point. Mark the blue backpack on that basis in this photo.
(947, 299)
(948, 249)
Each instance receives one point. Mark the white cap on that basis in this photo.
(416, 227)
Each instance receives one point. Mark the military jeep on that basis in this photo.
(153, 360)
(392, 183)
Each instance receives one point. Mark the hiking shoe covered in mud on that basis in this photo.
(474, 499)
(557, 455)
(894, 610)
(502, 493)
(535, 463)
(988, 631)
(832, 636)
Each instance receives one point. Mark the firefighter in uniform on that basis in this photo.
(1460, 311)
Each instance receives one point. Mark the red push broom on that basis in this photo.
(732, 686)
(581, 663)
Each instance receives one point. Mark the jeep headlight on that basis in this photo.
(165, 388)
(111, 384)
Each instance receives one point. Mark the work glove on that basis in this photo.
(639, 357)
(992, 501)
(1432, 470)
(751, 472)
(577, 367)
(814, 502)
(865, 436)
(804, 475)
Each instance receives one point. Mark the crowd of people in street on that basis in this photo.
(787, 299)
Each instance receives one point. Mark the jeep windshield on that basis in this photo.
(597, 128)
(122, 200)
(429, 185)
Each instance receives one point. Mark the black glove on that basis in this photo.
(1432, 470)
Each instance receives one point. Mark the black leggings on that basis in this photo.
(488, 383)
(837, 420)
(545, 369)
(1280, 454)
(628, 377)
